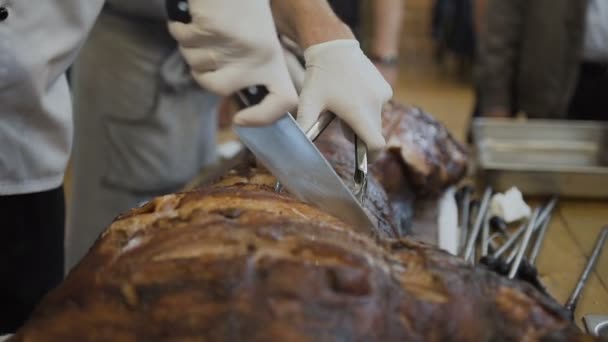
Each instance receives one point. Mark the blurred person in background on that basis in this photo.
(385, 25)
(387, 20)
(546, 58)
(453, 29)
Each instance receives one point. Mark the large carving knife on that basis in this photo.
(286, 151)
(289, 154)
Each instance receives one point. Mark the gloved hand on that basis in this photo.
(233, 44)
(341, 79)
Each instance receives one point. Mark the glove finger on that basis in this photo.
(179, 31)
(188, 35)
(200, 60)
(385, 92)
(309, 109)
(273, 107)
(224, 81)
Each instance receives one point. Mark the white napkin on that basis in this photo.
(510, 206)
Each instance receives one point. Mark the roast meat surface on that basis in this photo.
(421, 153)
(237, 261)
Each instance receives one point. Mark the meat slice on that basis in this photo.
(421, 154)
(237, 261)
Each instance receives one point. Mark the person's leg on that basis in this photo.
(138, 118)
(31, 253)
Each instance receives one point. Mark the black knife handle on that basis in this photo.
(252, 96)
(178, 10)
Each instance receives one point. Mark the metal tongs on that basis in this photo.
(360, 177)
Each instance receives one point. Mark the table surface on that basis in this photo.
(570, 239)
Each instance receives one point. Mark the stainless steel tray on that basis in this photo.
(596, 325)
(543, 157)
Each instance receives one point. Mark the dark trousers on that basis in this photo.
(590, 99)
(31, 252)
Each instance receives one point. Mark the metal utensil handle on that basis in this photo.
(544, 215)
(468, 252)
(492, 244)
(510, 241)
(178, 10)
(514, 251)
(524, 245)
(539, 241)
(361, 155)
(540, 238)
(318, 127)
(597, 250)
(485, 234)
(360, 169)
(464, 219)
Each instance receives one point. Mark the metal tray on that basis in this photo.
(596, 325)
(543, 157)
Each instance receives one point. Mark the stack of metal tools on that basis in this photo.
(513, 251)
(488, 240)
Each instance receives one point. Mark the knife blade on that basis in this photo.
(283, 148)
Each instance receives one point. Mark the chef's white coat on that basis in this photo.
(39, 39)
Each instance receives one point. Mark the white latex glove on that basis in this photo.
(341, 79)
(233, 44)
